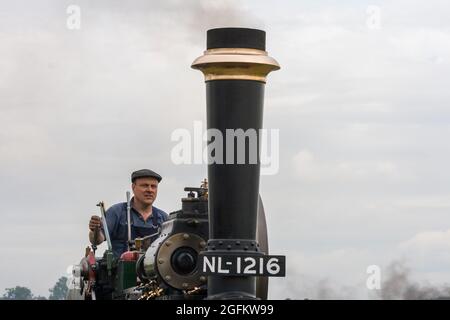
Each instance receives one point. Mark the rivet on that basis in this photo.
(160, 261)
(185, 236)
(168, 243)
(168, 278)
(202, 278)
(185, 285)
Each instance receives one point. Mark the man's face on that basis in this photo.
(145, 190)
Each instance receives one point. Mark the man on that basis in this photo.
(145, 218)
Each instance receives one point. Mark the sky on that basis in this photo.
(361, 103)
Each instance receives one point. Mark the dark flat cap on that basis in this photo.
(145, 173)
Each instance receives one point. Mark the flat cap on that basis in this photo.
(145, 173)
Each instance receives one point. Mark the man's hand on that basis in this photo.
(95, 223)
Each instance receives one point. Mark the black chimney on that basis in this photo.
(235, 66)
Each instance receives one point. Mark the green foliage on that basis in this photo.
(18, 293)
(59, 290)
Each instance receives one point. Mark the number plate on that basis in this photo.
(242, 265)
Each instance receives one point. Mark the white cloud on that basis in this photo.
(309, 168)
(431, 241)
(425, 202)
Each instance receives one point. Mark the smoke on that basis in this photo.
(318, 289)
(203, 15)
(213, 13)
(399, 286)
(300, 286)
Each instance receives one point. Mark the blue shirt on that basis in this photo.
(116, 219)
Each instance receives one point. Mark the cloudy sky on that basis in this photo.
(361, 102)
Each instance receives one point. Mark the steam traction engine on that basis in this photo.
(216, 246)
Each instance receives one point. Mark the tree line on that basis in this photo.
(58, 292)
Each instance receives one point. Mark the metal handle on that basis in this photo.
(129, 218)
(101, 204)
